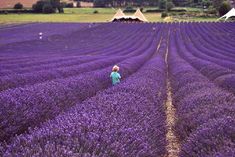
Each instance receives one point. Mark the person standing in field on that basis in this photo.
(115, 75)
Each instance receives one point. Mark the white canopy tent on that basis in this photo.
(137, 16)
(119, 14)
(228, 14)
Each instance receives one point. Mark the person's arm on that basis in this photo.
(119, 76)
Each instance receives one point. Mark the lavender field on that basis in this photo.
(176, 97)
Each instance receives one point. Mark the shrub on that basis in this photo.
(18, 6)
(164, 14)
(224, 8)
(95, 12)
(48, 9)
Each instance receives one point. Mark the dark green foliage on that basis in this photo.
(211, 10)
(48, 9)
(100, 3)
(170, 5)
(38, 7)
(129, 9)
(63, 4)
(154, 10)
(206, 3)
(217, 3)
(162, 4)
(164, 14)
(224, 8)
(183, 3)
(18, 6)
(95, 12)
(69, 5)
(16, 11)
(162, 10)
(55, 4)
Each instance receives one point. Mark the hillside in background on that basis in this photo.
(11, 3)
(26, 3)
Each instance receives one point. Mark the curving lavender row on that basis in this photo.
(209, 52)
(222, 76)
(205, 123)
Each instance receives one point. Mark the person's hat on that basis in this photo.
(115, 68)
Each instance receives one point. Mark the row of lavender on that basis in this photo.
(205, 112)
(215, 59)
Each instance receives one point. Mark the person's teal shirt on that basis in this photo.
(115, 77)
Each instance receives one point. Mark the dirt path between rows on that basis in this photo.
(173, 145)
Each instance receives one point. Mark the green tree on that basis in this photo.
(18, 6)
(162, 4)
(217, 3)
(55, 4)
(170, 5)
(101, 3)
(224, 8)
(206, 3)
(48, 9)
(38, 7)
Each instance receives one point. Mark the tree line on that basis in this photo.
(52, 6)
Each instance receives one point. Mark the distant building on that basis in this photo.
(83, 4)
